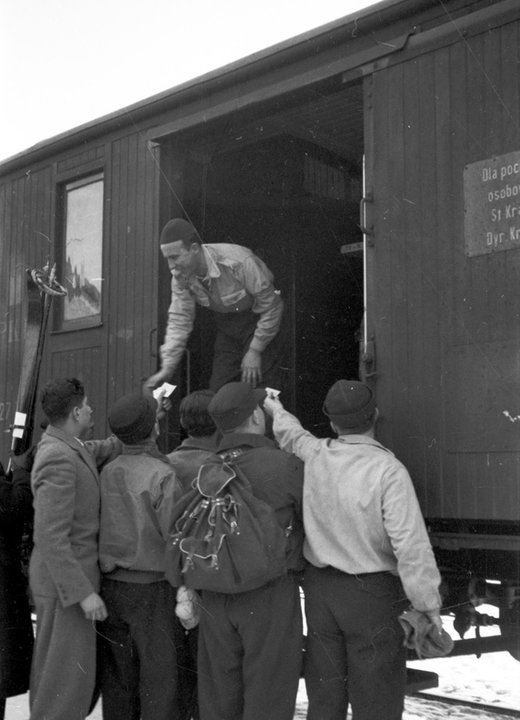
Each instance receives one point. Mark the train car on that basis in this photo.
(374, 164)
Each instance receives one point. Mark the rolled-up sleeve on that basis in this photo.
(181, 315)
(267, 302)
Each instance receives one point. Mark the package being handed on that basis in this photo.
(187, 608)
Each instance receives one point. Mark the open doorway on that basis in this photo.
(289, 186)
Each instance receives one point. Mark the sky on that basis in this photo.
(66, 62)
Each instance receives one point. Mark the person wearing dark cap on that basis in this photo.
(250, 643)
(187, 458)
(140, 635)
(64, 572)
(237, 286)
(369, 557)
(202, 439)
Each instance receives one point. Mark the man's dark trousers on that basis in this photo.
(250, 653)
(138, 651)
(234, 334)
(354, 651)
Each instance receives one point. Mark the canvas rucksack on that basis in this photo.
(223, 538)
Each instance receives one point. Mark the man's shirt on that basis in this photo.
(360, 510)
(236, 281)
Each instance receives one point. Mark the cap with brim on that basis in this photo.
(349, 404)
(233, 404)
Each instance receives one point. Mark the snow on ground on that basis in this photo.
(492, 679)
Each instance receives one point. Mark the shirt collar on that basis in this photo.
(145, 448)
(213, 270)
(361, 440)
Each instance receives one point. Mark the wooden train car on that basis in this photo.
(374, 163)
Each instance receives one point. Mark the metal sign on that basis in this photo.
(492, 205)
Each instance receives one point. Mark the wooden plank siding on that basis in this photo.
(27, 231)
(132, 264)
(110, 359)
(447, 325)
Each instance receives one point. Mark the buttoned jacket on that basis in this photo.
(65, 484)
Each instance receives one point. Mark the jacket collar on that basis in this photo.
(250, 440)
(199, 443)
(53, 433)
(145, 448)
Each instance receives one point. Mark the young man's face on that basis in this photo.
(181, 261)
(84, 416)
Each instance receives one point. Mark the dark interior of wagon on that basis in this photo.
(289, 185)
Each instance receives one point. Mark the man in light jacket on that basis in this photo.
(237, 286)
(369, 557)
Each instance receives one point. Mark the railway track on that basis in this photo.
(484, 707)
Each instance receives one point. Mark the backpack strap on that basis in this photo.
(229, 455)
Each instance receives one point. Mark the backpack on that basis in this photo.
(223, 538)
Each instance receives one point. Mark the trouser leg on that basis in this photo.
(376, 655)
(64, 662)
(325, 664)
(220, 690)
(250, 649)
(143, 619)
(359, 613)
(119, 677)
(187, 674)
(271, 627)
(234, 335)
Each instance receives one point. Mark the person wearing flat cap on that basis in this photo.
(250, 643)
(140, 635)
(232, 282)
(369, 557)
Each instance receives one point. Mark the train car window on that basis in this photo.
(81, 253)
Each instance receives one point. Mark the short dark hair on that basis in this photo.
(194, 416)
(60, 396)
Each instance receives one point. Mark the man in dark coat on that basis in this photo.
(250, 643)
(16, 636)
(202, 439)
(194, 451)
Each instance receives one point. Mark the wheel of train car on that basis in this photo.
(510, 625)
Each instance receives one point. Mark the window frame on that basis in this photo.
(64, 186)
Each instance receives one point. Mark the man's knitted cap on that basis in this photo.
(175, 230)
(349, 403)
(233, 404)
(132, 417)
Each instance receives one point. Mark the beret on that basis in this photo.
(132, 417)
(233, 404)
(175, 230)
(349, 403)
